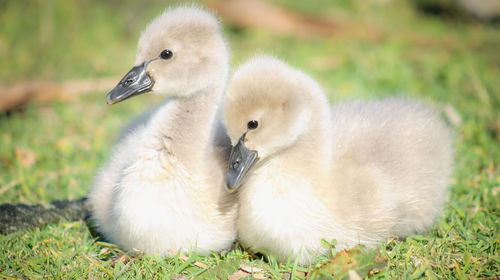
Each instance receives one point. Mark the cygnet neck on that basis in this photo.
(184, 127)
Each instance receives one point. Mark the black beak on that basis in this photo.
(240, 162)
(135, 82)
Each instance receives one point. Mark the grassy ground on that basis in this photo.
(52, 151)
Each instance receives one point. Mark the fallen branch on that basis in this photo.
(19, 94)
(264, 15)
(269, 16)
(15, 217)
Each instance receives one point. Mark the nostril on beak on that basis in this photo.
(128, 82)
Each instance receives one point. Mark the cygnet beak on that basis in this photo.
(135, 82)
(240, 162)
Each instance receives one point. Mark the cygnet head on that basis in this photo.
(179, 53)
(267, 108)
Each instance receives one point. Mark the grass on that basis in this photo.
(53, 151)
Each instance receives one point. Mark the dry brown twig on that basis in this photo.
(246, 270)
(185, 258)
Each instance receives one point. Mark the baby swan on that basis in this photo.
(163, 187)
(357, 173)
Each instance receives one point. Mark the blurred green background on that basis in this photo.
(379, 48)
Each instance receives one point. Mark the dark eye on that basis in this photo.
(166, 54)
(253, 124)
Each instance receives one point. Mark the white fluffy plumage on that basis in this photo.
(358, 172)
(163, 187)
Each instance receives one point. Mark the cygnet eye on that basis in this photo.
(253, 124)
(166, 54)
